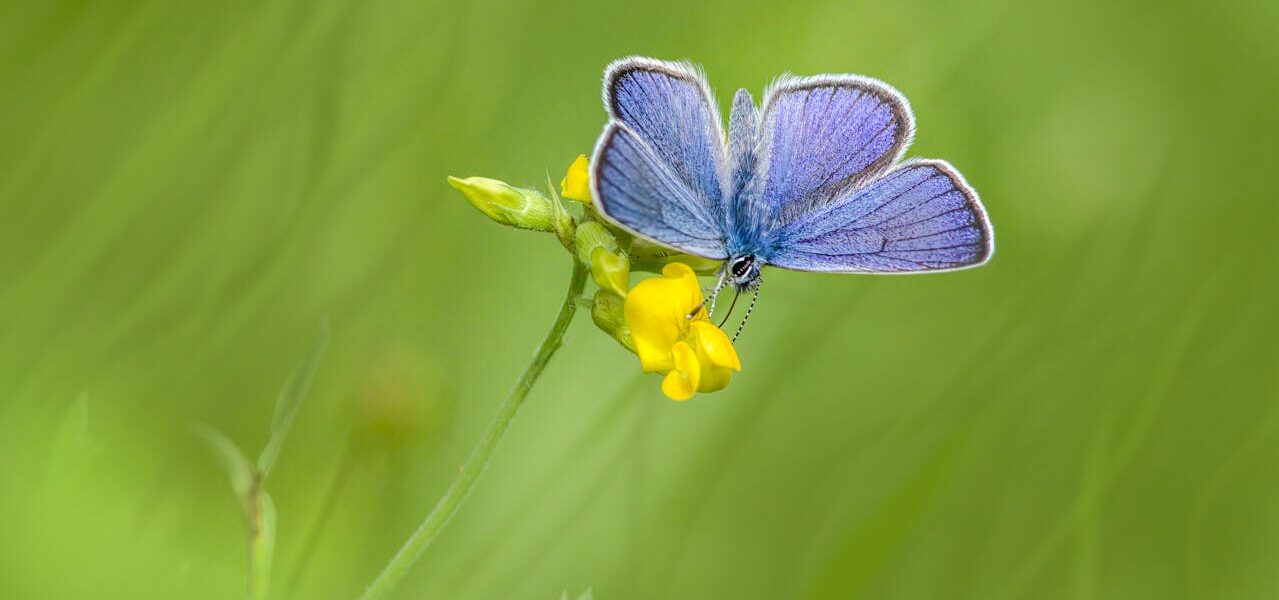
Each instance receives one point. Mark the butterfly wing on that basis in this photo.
(658, 168)
(921, 216)
(821, 136)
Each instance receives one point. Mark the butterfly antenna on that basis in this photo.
(749, 308)
(730, 310)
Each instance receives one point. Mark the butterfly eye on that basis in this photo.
(740, 266)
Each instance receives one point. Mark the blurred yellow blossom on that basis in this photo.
(672, 334)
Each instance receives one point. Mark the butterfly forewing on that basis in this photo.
(659, 167)
(822, 135)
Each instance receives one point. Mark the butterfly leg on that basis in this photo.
(709, 301)
(749, 308)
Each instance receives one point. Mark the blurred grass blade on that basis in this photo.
(589, 594)
(238, 468)
(261, 546)
(290, 400)
(72, 447)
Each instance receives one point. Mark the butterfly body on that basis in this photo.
(808, 181)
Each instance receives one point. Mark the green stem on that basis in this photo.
(261, 518)
(474, 467)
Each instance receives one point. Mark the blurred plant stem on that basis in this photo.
(260, 516)
(255, 504)
(248, 479)
(336, 486)
(470, 472)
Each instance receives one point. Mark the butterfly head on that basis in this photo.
(743, 271)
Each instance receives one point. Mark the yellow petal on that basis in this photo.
(652, 330)
(715, 355)
(714, 379)
(714, 346)
(684, 287)
(657, 311)
(576, 184)
(683, 380)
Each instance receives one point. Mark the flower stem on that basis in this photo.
(448, 505)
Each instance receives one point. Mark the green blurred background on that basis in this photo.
(188, 190)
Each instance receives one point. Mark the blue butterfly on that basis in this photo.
(809, 182)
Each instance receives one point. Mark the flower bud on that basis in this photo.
(506, 204)
(591, 235)
(610, 271)
(576, 184)
(598, 249)
(608, 312)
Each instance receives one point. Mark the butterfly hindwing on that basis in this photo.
(921, 216)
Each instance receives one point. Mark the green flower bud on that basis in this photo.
(608, 312)
(598, 249)
(610, 271)
(507, 204)
(591, 235)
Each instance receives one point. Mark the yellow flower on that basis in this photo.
(693, 353)
(576, 185)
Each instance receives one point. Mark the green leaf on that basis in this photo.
(563, 221)
(237, 466)
(290, 400)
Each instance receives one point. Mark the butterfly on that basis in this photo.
(810, 181)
